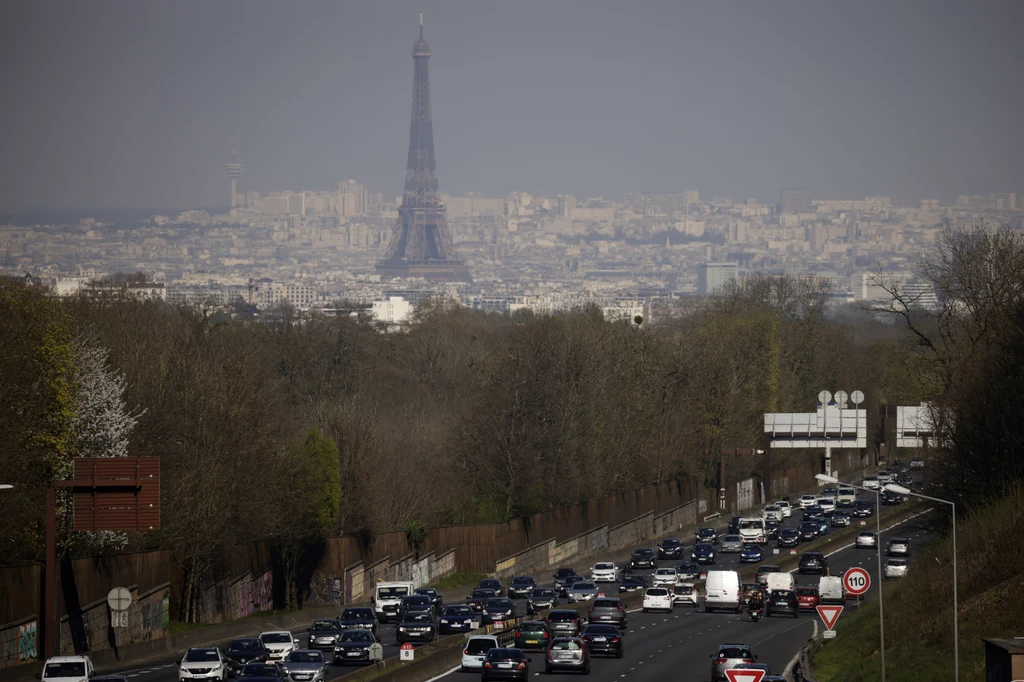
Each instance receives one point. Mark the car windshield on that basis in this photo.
(670, 543)
(418, 600)
(482, 594)
(606, 603)
(603, 567)
(542, 593)
(392, 592)
(499, 603)
(324, 625)
(357, 614)
(69, 669)
(601, 630)
(706, 531)
(683, 589)
(305, 657)
(732, 538)
(276, 638)
(357, 636)
(490, 584)
(427, 591)
(563, 572)
(584, 585)
(522, 580)
(788, 531)
(245, 645)
(734, 652)
(768, 569)
(748, 524)
(197, 655)
(806, 592)
(562, 616)
(751, 548)
(657, 592)
(566, 645)
(781, 594)
(897, 562)
(417, 617)
(690, 568)
(458, 611)
(867, 534)
(261, 669)
(666, 571)
(530, 626)
(481, 645)
(505, 655)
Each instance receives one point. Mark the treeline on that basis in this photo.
(295, 426)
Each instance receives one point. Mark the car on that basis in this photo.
(267, 670)
(840, 519)
(531, 634)
(731, 543)
(584, 590)
(476, 650)
(491, 584)
(766, 669)
(632, 583)
(435, 597)
(478, 598)
(888, 497)
(807, 597)
(665, 576)
(541, 598)
(561, 574)
(830, 493)
(568, 582)
(690, 571)
(823, 524)
(752, 529)
(734, 526)
(771, 529)
(567, 653)
(762, 573)
(658, 599)
(203, 663)
(785, 506)
(703, 553)
(360, 618)
(773, 512)
(323, 633)
(245, 649)
(827, 506)
(707, 535)
(414, 602)
(605, 572)
(808, 531)
(813, 562)
(898, 547)
(416, 626)
(603, 639)
(67, 669)
(872, 483)
(751, 554)
(846, 494)
(670, 548)
(863, 509)
(306, 665)
(917, 463)
(279, 643)
(789, 537)
(521, 586)
(810, 512)
(807, 501)
(781, 602)
(456, 618)
(608, 610)
(505, 664)
(563, 622)
(498, 609)
(643, 558)
(685, 594)
(747, 591)
(354, 647)
(884, 477)
(895, 568)
(728, 657)
(866, 540)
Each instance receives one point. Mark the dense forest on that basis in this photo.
(292, 425)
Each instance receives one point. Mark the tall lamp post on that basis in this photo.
(878, 551)
(956, 628)
(5, 486)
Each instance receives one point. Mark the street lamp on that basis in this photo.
(5, 486)
(878, 550)
(892, 487)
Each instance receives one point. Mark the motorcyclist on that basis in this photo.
(756, 603)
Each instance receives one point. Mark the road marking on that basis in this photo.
(447, 673)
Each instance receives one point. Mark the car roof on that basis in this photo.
(66, 659)
(487, 637)
(275, 632)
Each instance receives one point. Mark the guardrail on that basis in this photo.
(712, 516)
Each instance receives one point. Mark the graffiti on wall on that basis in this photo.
(745, 493)
(255, 595)
(702, 506)
(324, 591)
(155, 613)
(19, 643)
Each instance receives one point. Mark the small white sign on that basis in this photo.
(775, 551)
(407, 652)
(829, 634)
(119, 619)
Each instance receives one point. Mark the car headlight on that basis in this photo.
(401, 629)
(444, 621)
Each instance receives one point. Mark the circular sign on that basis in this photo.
(856, 581)
(119, 599)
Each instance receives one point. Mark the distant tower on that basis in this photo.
(421, 244)
(234, 170)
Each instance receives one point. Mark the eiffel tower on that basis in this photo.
(421, 245)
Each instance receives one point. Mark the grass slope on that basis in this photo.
(919, 608)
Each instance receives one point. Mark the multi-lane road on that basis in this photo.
(658, 646)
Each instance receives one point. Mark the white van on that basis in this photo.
(830, 590)
(387, 597)
(779, 581)
(722, 591)
(847, 495)
(752, 529)
(67, 669)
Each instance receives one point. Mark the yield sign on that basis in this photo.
(735, 675)
(829, 615)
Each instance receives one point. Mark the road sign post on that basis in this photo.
(744, 675)
(856, 581)
(406, 652)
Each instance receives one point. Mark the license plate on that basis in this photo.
(504, 665)
(600, 639)
(352, 653)
(606, 617)
(532, 641)
(566, 655)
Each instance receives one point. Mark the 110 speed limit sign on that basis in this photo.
(856, 581)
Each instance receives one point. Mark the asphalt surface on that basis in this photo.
(656, 644)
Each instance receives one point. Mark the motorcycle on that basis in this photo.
(755, 614)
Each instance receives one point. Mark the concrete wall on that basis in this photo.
(631, 532)
(148, 619)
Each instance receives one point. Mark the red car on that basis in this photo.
(807, 597)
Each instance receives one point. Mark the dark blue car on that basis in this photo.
(751, 554)
(457, 618)
(704, 553)
(823, 524)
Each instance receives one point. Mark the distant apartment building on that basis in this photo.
(713, 276)
(395, 310)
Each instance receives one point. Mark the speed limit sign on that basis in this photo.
(856, 581)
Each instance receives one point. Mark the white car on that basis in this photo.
(866, 539)
(476, 649)
(884, 477)
(827, 504)
(871, 483)
(685, 594)
(847, 495)
(665, 576)
(279, 643)
(785, 506)
(895, 568)
(67, 669)
(807, 501)
(204, 663)
(658, 598)
(773, 512)
(605, 572)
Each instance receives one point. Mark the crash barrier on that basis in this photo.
(802, 669)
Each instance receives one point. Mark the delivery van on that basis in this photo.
(830, 590)
(779, 581)
(722, 591)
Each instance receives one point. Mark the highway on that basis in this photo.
(654, 642)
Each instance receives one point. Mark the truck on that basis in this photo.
(752, 529)
(387, 597)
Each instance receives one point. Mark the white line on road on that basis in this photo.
(447, 673)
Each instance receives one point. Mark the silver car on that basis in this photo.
(731, 543)
(306, 665)
(866, 539)
(727, 658)
(584, 590)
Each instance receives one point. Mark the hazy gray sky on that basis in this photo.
(139, 104)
